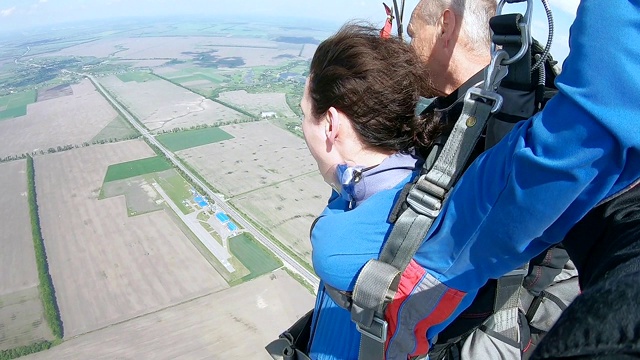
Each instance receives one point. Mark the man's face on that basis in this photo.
(423, 35)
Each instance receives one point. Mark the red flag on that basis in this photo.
(385, 32)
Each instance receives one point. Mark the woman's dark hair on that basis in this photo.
(376, 82)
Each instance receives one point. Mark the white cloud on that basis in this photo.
(7, 12)
(42, 1)
(568, 6)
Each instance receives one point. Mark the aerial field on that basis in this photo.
(257, 103)
(137, 76)
(232, 324)
(260, 155)
(138, 167)
(287, 209)
(253, 50)
(161, 105)
(192, 138)
(118, 128)
(66, 120)
(253, 255)
(108, 267)
(15, 105)
(54, 92)
(21, 314)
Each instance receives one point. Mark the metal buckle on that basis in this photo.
(495, 72)
(382, 326)
(488, 95)
(423, 201)
(525, 30)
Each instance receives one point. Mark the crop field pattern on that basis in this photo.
(108, 267)
(258, 103)
(66, 120)
(254, 256)
(136, 167)
(232, 324)
(161, 105)
(15, 105)
(192, 138)
(260, 155)
(287, 209)
(269, 174)
(21, 313)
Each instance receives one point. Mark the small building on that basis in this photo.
(268, 115)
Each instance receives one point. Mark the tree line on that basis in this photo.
(47, 291)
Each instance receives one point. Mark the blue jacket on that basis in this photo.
(344, 237)
(529, 190)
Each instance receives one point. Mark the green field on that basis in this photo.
(253, 255)
(196, 73)
(137, 76)
(216, 79)
(129, 169)
(192, 138)
(15, 105)
(178, 190)
(117, 129)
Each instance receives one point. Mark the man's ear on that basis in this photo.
(332, 124)
(447, 26)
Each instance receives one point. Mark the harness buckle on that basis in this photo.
(426, 197)
(525, 30)
(377, 331)
(495, 98)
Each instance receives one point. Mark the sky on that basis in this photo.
(21, 14)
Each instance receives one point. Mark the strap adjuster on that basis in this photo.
(425, 197)
(377, 331)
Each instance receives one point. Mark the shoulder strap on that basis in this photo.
(378, 281)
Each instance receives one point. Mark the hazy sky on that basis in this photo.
(19, 14)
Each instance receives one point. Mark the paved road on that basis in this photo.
(288, 260)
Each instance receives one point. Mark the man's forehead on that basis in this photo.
(416, 14)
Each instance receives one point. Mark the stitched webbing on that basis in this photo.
(378, 280)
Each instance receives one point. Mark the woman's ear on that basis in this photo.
(332, 124)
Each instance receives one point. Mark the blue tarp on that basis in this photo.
(222, 217)
(202, 203)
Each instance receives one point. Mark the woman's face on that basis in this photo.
(315, 134)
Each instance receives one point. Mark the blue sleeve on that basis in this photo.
(530, 189)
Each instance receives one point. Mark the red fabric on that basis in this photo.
(385, 33)
(444, 309)
(410, 278)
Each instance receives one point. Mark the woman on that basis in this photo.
(360, 127)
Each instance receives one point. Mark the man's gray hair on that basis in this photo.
(475, 15)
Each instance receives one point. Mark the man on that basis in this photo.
(546, 175)
(454, 40)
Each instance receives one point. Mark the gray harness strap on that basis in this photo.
(504, 320)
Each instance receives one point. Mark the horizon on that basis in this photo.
(18, 16)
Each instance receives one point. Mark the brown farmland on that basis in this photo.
(161, 105)
(260, 155)
(66, 120)
(21, 313)
(270, 175)
(254, 51)
(232, 324)
(107, 267)
(257, 103)
(287, 209)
